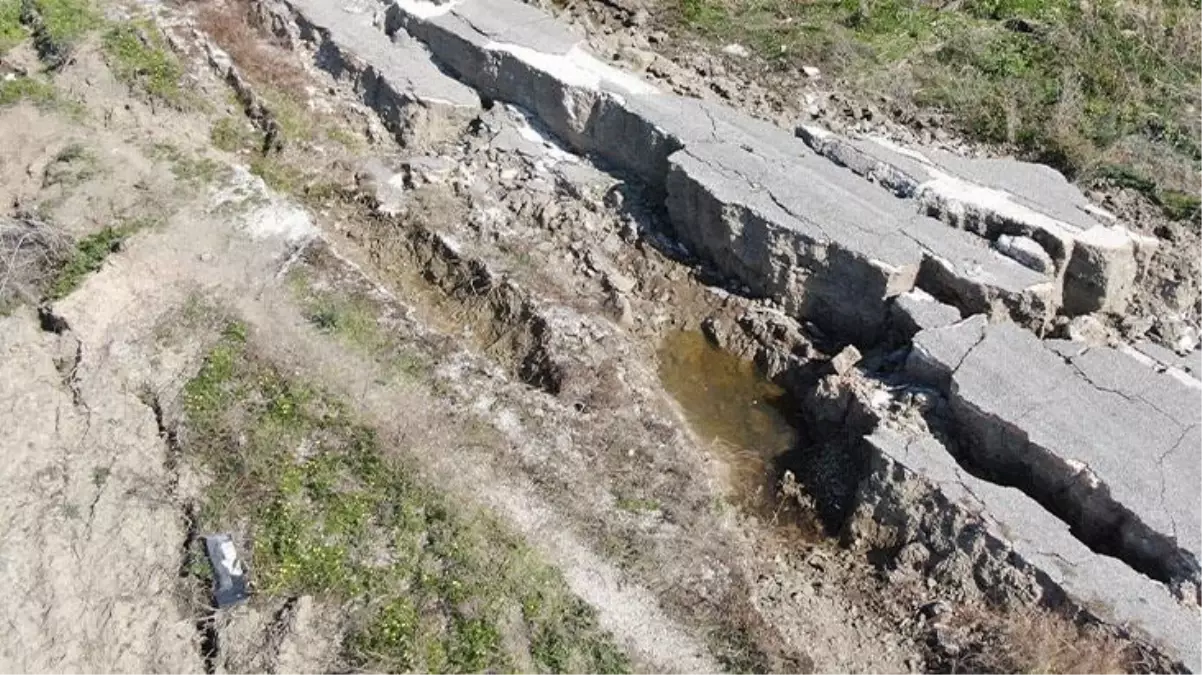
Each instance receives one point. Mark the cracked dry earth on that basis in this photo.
(557, 441)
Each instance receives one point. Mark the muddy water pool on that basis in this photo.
(742, 417)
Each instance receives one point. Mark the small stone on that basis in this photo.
(933, 610)
(1178, 335)
(625, 313)
(811, 72)
(620, 282)
(845, 360)
(639, 18)
(736, 49)
(1088, 329)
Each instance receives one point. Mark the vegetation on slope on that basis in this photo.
(427, 585)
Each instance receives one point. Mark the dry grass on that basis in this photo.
(31, 251)
(1032, 640)
(231, 25)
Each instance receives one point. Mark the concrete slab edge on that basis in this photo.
(1095, 267)
(916, 502)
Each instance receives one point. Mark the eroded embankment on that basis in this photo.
(830, 250)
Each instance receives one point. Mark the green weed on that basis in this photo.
(188, 168)
(428, 585)
(11, 31)
(353, 320)
(231, 134)
(29, 89)
(89, 255)
(138, 56)
(637, 505)
(73, 165)
(277, 173)
(345, 138)
(63, 24)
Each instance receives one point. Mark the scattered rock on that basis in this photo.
(620, 282)
(845, 360)
(736, 49)
(811, 72)
(934, 610)
(1088, 329)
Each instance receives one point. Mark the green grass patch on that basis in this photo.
(63, 24)
(637, 504)
(1063, 81)
(139, 57)
(189, 168)
(278, 174)
(426, 585)
(88, 257)
(24, 88)
(353, 320)
(347, 139)
(73, 165)
(232, 134)
(12, 32)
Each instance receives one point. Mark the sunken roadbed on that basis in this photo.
(1075, 465)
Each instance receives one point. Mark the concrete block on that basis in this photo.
(936, 353)
(1025, 251)
(962, 270)
(1030, 211)
(743, 194)
(1101, 272)
(918, 310)
(813, 246)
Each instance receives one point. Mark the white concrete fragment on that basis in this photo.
(1026, 251)
(426, 10)
(576, 68)
(1101, 271)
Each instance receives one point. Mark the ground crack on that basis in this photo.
(168, 434)
(191, 556)
(967, 352)
(1164, 482)
(54, 53)
(1127, 397)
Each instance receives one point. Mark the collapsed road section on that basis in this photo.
(1098, 448)
(1105, 441)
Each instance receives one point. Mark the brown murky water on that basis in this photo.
(732, 408)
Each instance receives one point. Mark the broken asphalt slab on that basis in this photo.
(416, 101)
(807, 235)
(1095, 259)
(997, 531)
(767, 210)
(1108, 443)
